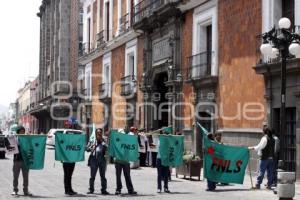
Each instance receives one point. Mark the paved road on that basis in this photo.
(48, 184)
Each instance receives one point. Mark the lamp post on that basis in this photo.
(284, 42)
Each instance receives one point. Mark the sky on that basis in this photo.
(19, 40)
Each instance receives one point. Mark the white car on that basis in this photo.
(51, 134)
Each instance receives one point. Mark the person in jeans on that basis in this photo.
(211, 185)
(162, 172)
(265, 149)
(18, 166)
(125, 166)
(97, 161)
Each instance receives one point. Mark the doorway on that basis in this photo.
(160, 91)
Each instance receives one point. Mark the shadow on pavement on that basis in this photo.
(178, 193)
(137, 195)
(232, 190)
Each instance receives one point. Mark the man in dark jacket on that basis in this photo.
(97, 160)
(17, 167)
(265, 149)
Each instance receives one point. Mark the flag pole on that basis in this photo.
(250, 174)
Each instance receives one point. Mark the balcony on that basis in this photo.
(86, 48)
(85, 92)
(100, 39)
(105, 92)
(125, 24)
(199, 69)
(147, 8)
(128, 86)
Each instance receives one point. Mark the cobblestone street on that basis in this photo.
(48, 184)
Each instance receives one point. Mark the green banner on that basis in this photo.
(123, 147)
(223, 163)
(69, 147)
(171, 150)
(32, 148)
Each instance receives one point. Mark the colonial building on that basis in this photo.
(156, 63)
(59, 38)
(23, 101)
(270, 70)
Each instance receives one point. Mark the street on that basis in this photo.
(48, 184)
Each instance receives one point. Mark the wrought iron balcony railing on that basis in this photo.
(125, 23)
(145, 8)
(86, 48)
(104, 91)
(100, 39)
(128, 85)
(199, 65)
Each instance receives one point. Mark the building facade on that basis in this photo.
(59, 46)
(158, 63)
(270, 70)
(23, 101)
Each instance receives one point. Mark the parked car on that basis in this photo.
(51, 134)
(2, 146)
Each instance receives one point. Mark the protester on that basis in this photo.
(265, 150)
(162, 171)
(218, 139)
(211, 186)
(68, 172)
(134, 131)
(18, 165)
(143, 142)
(97, 160)
(125, 166)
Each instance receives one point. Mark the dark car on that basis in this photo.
(2, 147)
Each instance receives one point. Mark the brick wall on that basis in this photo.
(239, 21)
(187, 38)
(97, 108)
(74, 43)
(117, 72)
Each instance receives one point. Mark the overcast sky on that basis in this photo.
(19, 52)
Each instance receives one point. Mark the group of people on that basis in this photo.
(96, 161)
(267, 150)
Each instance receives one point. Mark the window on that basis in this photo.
(88, 81)
(203, 62)
(107, 20)
(130, 67)
(288, 140)
(88, 34)
(106, 74)
(288, 10)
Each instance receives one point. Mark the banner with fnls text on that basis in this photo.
(123, 146)
(224, 163)
(69, 147)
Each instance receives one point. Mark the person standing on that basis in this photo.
(97, 161)
(276, 157)
(211, 185)
(68, 173)
(124, 166)
(265, 150)
(18, 165)
(162, 172)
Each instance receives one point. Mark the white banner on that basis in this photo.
(13, 145)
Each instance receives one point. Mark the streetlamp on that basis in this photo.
(284, 42)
